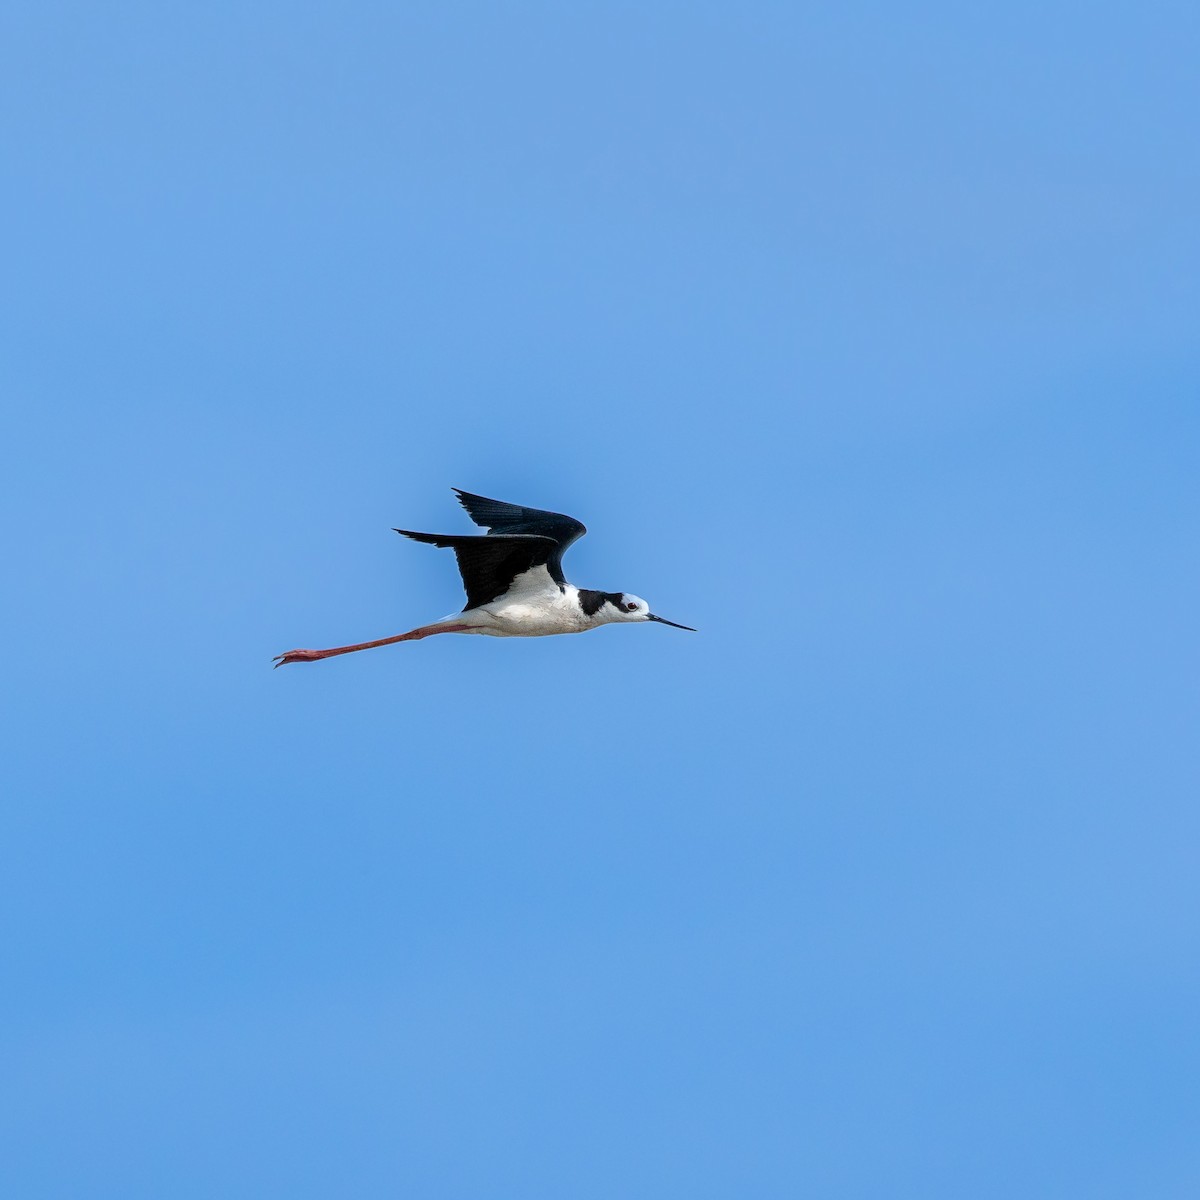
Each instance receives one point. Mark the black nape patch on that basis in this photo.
(592, 601)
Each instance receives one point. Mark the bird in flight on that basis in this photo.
(514, 581)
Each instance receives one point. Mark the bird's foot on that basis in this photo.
(295, 656)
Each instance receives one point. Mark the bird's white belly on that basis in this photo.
(539, 615)
(529, 620)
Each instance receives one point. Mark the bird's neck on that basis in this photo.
(598, 607)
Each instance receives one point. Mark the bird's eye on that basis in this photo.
(631, 605)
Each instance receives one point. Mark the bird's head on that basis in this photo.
(625, 606)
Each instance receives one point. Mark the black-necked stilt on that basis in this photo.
(514, 581)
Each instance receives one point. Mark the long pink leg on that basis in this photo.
(296, 656)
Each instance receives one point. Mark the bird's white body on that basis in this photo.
(535, 606)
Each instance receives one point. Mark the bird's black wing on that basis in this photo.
(490, 564)
(503, 520)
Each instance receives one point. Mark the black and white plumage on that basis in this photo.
(514, 581)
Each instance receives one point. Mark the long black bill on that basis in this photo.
(664, 621)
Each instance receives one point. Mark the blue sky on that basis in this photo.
(863, 339)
